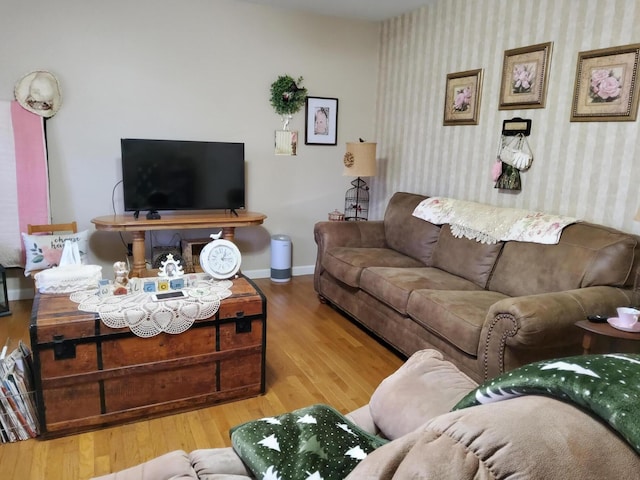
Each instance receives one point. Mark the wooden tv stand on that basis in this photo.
(173, 221)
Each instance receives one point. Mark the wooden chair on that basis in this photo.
(53, 228)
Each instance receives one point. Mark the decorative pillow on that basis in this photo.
(424, 387)
(44, 251)
(313, 442)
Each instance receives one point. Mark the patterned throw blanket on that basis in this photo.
(605, 385)
(489, 224)
(313, 443)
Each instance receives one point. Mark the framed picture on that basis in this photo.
(606, 85)
(462, 98)
(286, 142)
(525, 74)
(321, 125)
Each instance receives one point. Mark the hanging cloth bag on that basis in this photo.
(516, 152)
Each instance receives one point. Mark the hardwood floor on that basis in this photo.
(314, 355)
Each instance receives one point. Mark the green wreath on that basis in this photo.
(286, 97)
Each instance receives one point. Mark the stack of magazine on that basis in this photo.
(18, 420)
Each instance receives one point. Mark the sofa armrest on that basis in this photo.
(349, 234)
(219, 464)
(346, 234)
(520, 330)
(362, 417)
(170, 466)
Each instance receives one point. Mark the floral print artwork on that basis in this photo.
(524, 77)
(462, 99)
(605, 85)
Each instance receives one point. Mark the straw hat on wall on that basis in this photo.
(39, 92)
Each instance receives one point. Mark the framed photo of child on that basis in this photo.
(321, 124)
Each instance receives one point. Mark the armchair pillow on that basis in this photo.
(313, 442)
(44, 251)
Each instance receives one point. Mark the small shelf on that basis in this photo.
(191, 249)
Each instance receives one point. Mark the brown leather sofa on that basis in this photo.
(531, 437)
(488, 308)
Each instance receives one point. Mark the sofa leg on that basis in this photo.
(323, 300)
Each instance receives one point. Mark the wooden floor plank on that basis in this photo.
(314, 355)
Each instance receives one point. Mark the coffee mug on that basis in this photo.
(628, 316)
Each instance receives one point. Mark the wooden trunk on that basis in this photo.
(88, 375)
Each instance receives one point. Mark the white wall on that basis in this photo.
(192, 70)
(589, 170)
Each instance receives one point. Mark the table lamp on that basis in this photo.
(359, 161)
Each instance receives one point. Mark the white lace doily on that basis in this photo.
(146, 317)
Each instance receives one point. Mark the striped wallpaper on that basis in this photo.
(584, 169)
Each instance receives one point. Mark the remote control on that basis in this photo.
(159, 297)
(597, 318)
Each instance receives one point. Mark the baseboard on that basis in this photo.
(20, 293)
(266, 273)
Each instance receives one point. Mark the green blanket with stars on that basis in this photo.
(313, 443)
(606, 385)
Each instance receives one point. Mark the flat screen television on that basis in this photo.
(182, 175)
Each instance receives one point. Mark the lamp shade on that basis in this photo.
(360, 159)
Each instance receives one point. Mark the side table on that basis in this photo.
(591, 329)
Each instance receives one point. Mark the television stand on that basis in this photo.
(126, 223)
(153, 215)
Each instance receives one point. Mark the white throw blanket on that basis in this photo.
(489, 224)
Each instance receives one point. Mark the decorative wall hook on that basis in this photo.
(516, 126)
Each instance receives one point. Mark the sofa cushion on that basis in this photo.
(408, 234)
(393, 285)
(456, 316)
(424, 387)
(466, 258)
(346, 263)
(587, 255)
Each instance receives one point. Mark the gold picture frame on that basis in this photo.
(462, 98)
(525, 73)
(606, 84)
